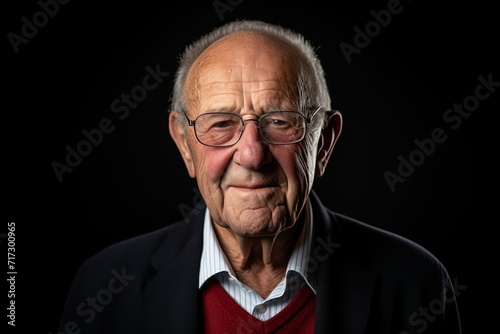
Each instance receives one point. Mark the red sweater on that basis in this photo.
(221, 314)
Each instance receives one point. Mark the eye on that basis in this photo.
(278, 122)
(220, 121)
(221, 124)
(282, 120)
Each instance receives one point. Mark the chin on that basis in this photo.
(257, 231)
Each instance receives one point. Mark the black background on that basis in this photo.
(394, 91)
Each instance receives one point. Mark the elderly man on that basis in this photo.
(251, 116)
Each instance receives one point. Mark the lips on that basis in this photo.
(250, 181)
(251, 186)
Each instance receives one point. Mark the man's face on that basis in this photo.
(253, 188)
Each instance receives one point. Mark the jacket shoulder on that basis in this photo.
(387, 252)
(119, 273)
(136, 251)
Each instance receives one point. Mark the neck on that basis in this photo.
(259, 262)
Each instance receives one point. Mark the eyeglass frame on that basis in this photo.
(307, 120)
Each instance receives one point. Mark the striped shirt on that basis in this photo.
(215, 263)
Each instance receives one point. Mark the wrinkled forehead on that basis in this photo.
(248, 57)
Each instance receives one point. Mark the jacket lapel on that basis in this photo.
(344, 282)
(171, 303)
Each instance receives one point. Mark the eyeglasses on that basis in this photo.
(222, 129)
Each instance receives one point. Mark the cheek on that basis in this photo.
(211, 164)
(295, 164)
(304, 164)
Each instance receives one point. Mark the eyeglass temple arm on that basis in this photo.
(190, 122)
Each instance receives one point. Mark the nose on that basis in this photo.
(252, 150)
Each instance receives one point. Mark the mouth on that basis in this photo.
(250, 181)
(251, 186)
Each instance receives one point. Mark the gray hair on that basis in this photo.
(312, 86)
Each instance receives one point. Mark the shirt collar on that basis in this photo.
(214, 261)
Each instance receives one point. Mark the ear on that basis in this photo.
(329, 136)
(178, 135)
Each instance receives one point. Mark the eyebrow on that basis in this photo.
(278, 104)
(233, 110)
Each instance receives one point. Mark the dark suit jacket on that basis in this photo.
(368, 281)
